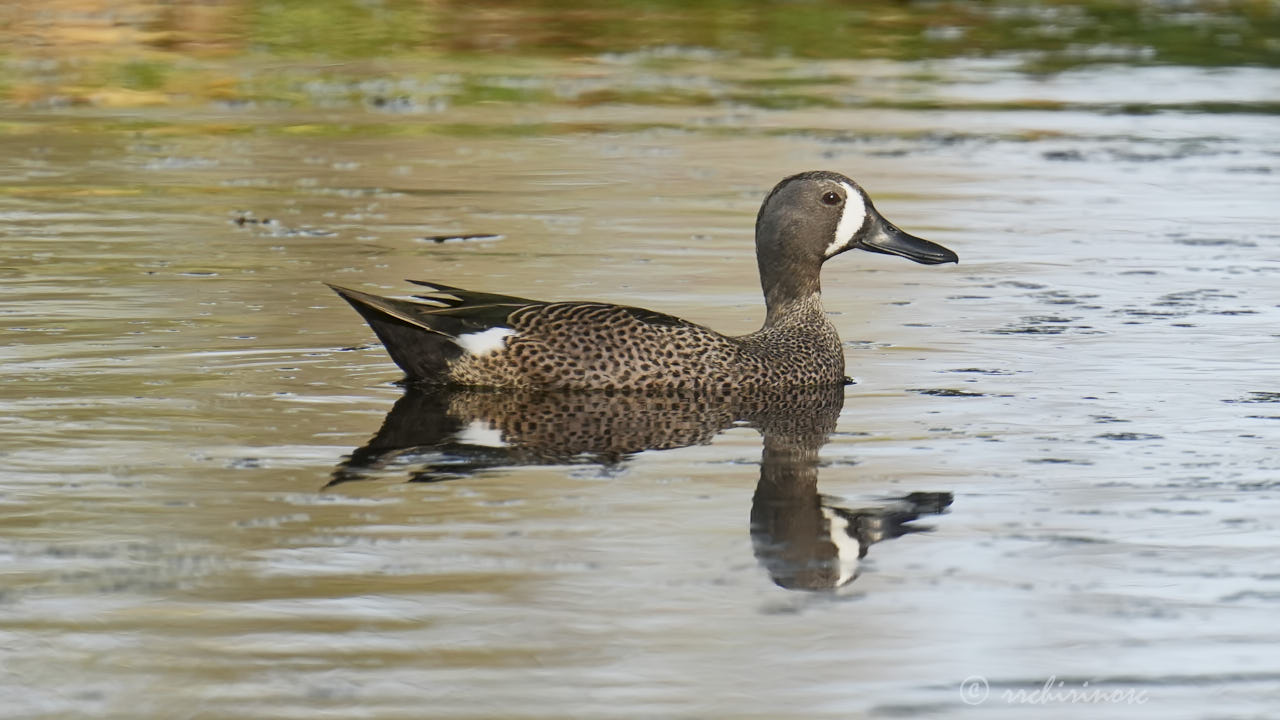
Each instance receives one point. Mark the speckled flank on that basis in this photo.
(589, 345)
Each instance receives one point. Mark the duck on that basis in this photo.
(459, 337)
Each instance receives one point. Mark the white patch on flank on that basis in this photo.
(485, 341)
(847, 547)
(855, 213)
(481, 433)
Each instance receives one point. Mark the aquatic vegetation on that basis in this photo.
(592, 53)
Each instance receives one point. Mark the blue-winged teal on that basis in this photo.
(483, 339)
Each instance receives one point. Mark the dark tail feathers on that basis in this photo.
(424, 354)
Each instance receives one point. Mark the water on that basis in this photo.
(1059, 462)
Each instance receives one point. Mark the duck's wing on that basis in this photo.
(459, 297)
(435, 316)
(601, 313)
(472, 303)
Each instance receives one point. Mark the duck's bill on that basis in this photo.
(884, 237)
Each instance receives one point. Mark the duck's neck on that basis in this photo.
(789, 300)
(796, 313)
(790, 279)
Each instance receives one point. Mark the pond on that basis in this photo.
(1057, 470)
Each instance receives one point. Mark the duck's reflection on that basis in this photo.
(801, 537)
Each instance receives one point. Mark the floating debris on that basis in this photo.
(1258, 397)
(440, 239)
(945, 392)
(247, 219)
(979, 371)
(1129, 437)
(275, 229)
(1214, 242)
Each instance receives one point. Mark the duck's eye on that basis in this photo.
(831, 198)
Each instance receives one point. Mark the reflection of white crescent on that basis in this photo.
(848, 549)
(482, 434)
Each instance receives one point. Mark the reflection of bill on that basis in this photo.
(808, 543)
(802, 539)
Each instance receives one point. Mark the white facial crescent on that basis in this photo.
(855, 213)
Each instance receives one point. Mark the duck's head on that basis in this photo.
(821, 214)
(814, 216)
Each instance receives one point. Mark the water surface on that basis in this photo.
(1059, 459)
